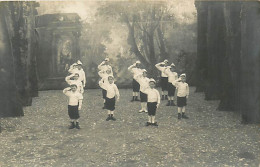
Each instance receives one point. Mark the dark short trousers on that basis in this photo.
(164, 83)
(110, 103)
(73, 112)
(104, 93)
(143, 97)
(171, 89)
(151, 106)
(181, 101)
(136, 86)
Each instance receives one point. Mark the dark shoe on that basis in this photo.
(184, 116)
(108, 118)
(179, 115)
(147, 124)
(154, 124)
(113, 118)
(168, 104)
(72, 125)
(77, 125)
(137, 99)
(166, 97)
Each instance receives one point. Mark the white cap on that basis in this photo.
(138, 62)
(144, 70)
(184, 75)
(165, 61)
(74, 64)
(152, 80)
(79, 62)
(107, 59)
(173, 65)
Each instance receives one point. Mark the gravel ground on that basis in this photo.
(207, 138)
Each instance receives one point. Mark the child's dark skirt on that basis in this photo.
(136, 86)
(110, 103)
(143, 97)
(181, 101)
(73, 112)
(104, 93)
(151, 106)
(164, 83)
(171, 89)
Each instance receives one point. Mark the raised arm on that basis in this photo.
(100, 65)
(158, 66)
(131, 67)
(66, 91)
(67, 78)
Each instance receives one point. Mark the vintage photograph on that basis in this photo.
(130, 83)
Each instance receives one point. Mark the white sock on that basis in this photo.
(179, 109)
(108, 112)
(149, 119)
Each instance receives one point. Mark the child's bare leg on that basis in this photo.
(153, 119)
(179, 112)
(183, 109)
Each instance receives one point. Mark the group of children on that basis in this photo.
(169, 83)
(76, 81)
(149, 96)
(109, 89)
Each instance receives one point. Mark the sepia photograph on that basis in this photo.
(130, 83)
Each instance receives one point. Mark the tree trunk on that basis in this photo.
(20, 50)
(202, 52)
(250, 63)
(230, 100)
(163, 54)
(152, 69)
(132, 43)
(216, 50)
(10, 105)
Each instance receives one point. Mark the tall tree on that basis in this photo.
(143, 23)
(10, 105)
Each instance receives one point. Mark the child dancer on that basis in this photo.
(153, 102)
(144, 84)
(136, 70)
(172, 77)
(104, 66)
(74, 79)
(104, 77)
(164, 78)
(111, 96)
(75, 103)
(82, 75)
(182, 95)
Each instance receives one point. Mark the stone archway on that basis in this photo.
(58, 47)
